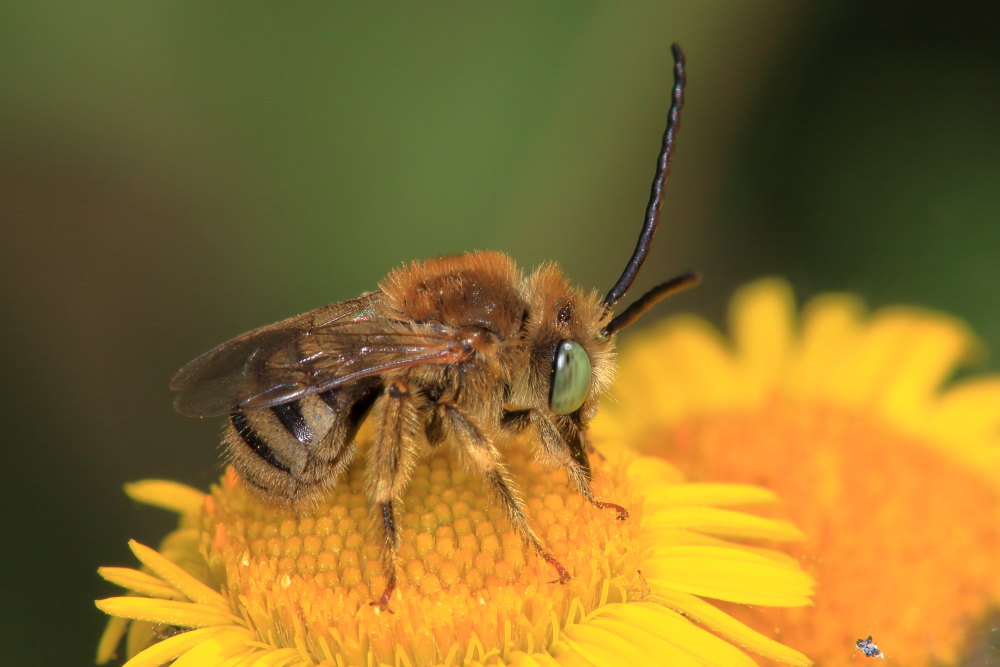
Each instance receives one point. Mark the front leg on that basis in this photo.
(569, 454)
(477, 448)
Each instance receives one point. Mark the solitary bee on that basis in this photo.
(465, 350)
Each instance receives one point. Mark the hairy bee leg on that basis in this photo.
(478, 449)
(573, 457)
(389, 462)
(389, 553)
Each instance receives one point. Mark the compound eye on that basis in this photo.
(570, 378)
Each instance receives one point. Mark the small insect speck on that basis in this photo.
(869, 648)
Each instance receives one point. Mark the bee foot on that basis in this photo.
(564, 575)
(622, 512)
(383, 601)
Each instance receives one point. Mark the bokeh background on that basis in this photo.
(172, 174)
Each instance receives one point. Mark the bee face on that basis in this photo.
(571, 360)
(462, 349)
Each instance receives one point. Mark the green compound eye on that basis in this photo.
(570, 378)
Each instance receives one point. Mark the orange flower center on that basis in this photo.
(465, 579)
(899, 537)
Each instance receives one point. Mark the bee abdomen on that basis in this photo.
(290, 416)
(295, 450)
(252, 439)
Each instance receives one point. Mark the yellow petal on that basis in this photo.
(272, 658)
(654, 473)
(727, 574)
(898, 361)
(656, 536)
(726, 523)
(217, 649)
(701, 356)
(177, 577)
(164, 651)
(139, 582)
(600, 646)
(970, 407)
(934, 346)
(169, 495)
(167, 612)
(762, 321)
(718, 621)
(650, 625)
(716, 495)
(107, 647)
(830, 323)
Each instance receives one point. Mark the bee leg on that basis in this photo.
(478, 449)
(389, 462)
(389, 556)
(573, 457)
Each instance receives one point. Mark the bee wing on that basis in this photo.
(305, 354)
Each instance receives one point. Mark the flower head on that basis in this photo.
(894, 479)
(244, 581)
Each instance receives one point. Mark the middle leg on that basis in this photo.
(390, 460)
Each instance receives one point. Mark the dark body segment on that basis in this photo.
(269, 452)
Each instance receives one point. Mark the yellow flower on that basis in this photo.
(894, 479)
(240, 583)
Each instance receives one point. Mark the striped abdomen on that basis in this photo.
(297, 450)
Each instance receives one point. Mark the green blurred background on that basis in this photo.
(172, 174)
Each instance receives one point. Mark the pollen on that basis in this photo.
(465, 579)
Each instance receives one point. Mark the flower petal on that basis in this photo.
(935, 345)
(726, 523)
(167, 612)
(727, 574)
(169, 495)
(139, 582)
(830, 323)
(601, 646)
(177, 577)
(661, 630)
(718, 621)
(107, 647)
(715, 495)
(762, 317)
(219, 648)
(170, 648)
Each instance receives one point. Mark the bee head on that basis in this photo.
(570, 359)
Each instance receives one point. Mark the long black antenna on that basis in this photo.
(659, 180)
(649, 299)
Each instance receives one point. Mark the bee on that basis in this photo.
(465, 350)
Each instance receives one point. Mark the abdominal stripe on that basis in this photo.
(290, 416)
(255, 442)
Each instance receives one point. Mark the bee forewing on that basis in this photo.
(218, 381)
(308, 354)
(225, 378)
